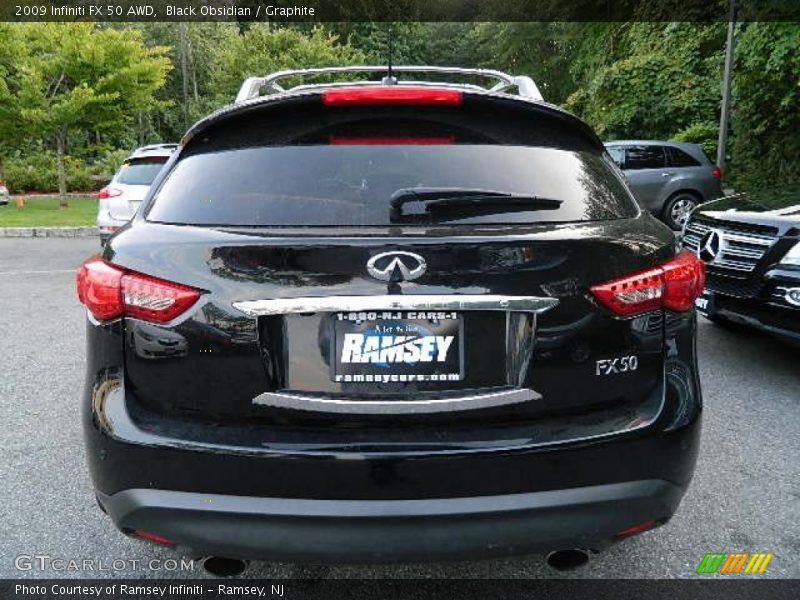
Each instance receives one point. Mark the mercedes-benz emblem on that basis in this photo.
(396, 266)
(710, 245)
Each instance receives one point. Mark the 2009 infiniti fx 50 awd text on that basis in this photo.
(385, 321)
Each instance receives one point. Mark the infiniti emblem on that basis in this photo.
(396, 266)
(710, 245)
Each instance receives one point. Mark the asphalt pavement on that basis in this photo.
(745, 495)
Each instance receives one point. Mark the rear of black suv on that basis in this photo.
(389, 323)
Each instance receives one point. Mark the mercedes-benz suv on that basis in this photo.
(751, 245)
(387, 321)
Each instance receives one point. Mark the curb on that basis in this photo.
(59, 232)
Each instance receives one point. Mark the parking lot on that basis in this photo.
(745, 495)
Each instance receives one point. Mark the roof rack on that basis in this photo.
(503, 82)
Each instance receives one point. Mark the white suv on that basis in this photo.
(120, 199)
(4, 195)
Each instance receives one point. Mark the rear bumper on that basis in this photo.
(321, 493)
(345, 505)
(393, 530)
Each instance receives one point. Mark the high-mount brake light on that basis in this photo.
(336, 140)
(395, 94)
(109, 292)
(108, 192)
(673, 285)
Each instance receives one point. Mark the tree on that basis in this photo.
(263, 49)
(765, 116)
(653, 80)
(77, 76)
(166, 121)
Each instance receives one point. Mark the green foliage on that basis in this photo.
(100, 87)
(263, 49)
(766, 105)
(659, 79)
(706, 134)
(76, 76)
(36, 171)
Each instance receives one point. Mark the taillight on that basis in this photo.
(152, 299)
(99, 287)
(673, 285)
(110, 292)
(716, 173)
(394, 94)
(108, 192)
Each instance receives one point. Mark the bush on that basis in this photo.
(705, 134)
(37, 172)
(107, 163)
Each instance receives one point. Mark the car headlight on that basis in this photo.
(793, 256)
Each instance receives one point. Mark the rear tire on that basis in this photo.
(678, 208)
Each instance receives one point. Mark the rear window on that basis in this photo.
(344, 169)
(679, 158)
(139, 171)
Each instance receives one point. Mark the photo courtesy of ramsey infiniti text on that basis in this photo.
(390, 320)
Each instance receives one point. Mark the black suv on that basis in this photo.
(388, 321)
(751, 245)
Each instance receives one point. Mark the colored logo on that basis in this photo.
(734, 563)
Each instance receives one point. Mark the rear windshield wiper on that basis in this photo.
(444, 198)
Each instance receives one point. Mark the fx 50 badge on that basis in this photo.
(612, 366)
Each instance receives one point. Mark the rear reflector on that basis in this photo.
(150, 537)
(673, 285)
(336, 140)
(639, 528)
(394, 94)
(109, 292)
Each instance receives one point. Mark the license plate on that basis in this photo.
(397, 346)
(705, 303)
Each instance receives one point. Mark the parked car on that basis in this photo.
(669, 178)
(751, 245)
(120, 199)
(442, 328)
(5, 197)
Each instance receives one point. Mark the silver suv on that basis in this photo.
(120, 199)
(669, 178)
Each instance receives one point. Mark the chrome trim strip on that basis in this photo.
(286, 306)
(395, 407)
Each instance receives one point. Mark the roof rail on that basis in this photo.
(156, 147)
(525, 86)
